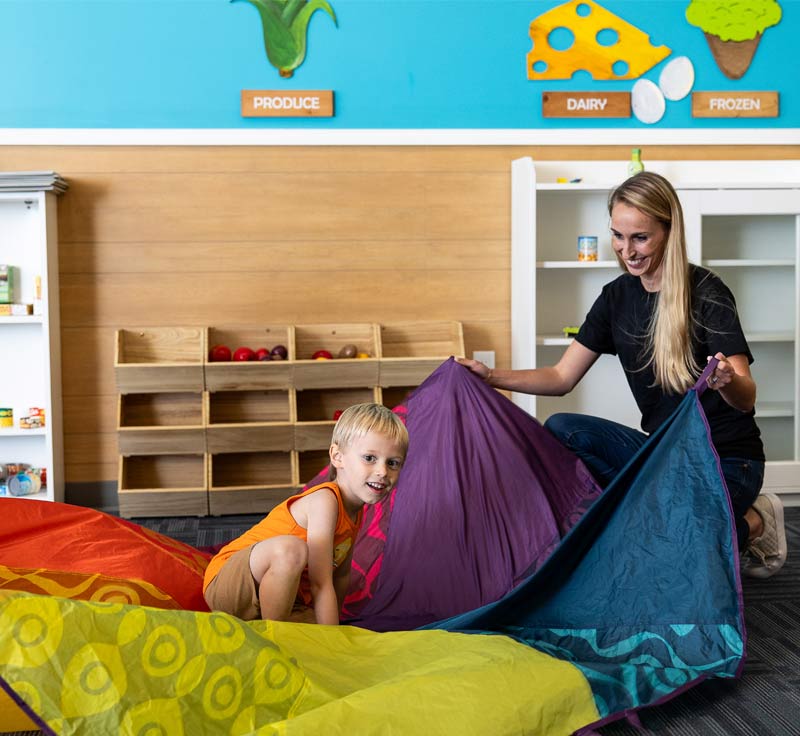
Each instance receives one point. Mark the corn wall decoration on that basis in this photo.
(285, 24)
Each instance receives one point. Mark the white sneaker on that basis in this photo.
(766, 554)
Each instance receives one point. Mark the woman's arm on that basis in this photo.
(323, 511)
(555, 380)
(734, 382)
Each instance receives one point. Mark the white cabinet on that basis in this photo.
(742, 221)
(30, 367)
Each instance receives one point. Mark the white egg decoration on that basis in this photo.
(677, 78)
(647, 101)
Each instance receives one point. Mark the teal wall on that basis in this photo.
(392, 64)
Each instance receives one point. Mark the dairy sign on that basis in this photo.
(287, 104)
(586, 104)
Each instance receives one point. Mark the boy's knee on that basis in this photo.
(289, 553)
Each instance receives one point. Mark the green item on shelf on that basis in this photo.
(7, 284)
(570, 331)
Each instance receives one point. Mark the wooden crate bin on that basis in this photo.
(247, 375)
(310, 463)
(250, 420)
(339, 372)
(159, 359)
(395, 395)
(163, 485)
(250, 482)
(411, 351)
(164, 423)
(315, 412)
(246, 470)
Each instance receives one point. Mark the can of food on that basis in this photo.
(6, 417)
(24, 484)
(587, 247)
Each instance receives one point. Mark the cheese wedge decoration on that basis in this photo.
(621, 51)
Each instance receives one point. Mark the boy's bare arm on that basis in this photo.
(323, 511)
(341, 578)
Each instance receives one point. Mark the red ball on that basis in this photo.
(322, 355)
(243, 354)
(263, 354)
(337, 414)
(219, 353)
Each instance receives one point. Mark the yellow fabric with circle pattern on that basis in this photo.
(105, 668)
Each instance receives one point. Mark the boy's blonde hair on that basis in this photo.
(668, 341)
(360, 419)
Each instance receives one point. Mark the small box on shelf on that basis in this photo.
(342, 344)
(250, 482)
(163, 423)
(160, 359)
(250, 420)
(163, 485)
(8, 283)
(275, 341)
(318, 409)
(411, 351)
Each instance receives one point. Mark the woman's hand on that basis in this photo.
(734, 382)
(723, 374)
(479, 369)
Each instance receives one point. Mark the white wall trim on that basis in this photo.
(396, 137)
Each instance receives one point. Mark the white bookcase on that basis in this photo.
(742, 221)
(30, 368)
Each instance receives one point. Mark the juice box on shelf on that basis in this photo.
(7, 283)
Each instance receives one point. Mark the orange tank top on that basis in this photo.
(280, 521)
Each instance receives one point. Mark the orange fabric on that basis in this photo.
(280, 521)
(41, 541)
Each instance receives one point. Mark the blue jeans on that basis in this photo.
(605, 447)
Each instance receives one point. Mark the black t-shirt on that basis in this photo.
(617, 324)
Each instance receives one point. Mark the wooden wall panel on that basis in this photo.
(207, 235)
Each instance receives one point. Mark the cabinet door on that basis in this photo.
(751, 239)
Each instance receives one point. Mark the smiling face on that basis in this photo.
(367, 468)
(638, 240)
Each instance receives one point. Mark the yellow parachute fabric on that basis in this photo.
(104, 668)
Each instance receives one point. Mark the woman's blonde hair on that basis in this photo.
(668, 343)
(360, 419)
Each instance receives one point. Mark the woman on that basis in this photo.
(664, 318)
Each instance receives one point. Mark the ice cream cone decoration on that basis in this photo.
(733, 29)
(733, 57)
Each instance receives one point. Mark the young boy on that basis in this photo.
(301, 552)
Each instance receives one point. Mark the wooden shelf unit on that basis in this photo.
(245, 435)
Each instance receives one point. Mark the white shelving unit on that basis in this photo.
(742, 221)
(30, 369)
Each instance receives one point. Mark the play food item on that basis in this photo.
(263, 354)
(647, 101)
(244, 354)
(677, 78)
(733, 30)
(635, 165)
(219, 353)
(279, 352)
(337, 414)
(587, 247)
(362, 355)
(348, 351)
(322, 355)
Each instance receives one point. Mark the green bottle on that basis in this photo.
(635, 165)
